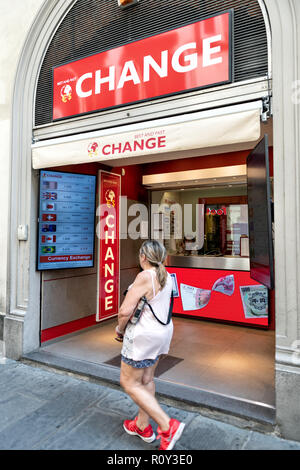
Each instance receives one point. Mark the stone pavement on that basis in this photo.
(46, 410)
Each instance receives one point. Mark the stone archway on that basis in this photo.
(22, 321)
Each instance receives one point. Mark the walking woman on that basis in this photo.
(144, 343)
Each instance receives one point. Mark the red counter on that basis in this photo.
(231, 296)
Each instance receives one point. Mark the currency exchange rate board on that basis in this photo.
(66, 232)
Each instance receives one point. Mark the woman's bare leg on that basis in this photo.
(132, 381)
(148, 382)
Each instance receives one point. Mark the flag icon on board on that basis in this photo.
(49, 218)
(48, 249)
(48, 206)
(48, 238)
(51, 196)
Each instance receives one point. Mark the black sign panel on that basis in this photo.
(260, 215)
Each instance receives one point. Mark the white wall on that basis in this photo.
(16, 16)
(285, 21)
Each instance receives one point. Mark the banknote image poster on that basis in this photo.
(66, 229)
(221, 295)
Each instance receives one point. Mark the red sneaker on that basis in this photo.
(131, 428)
(169, 438)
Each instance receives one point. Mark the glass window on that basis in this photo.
(226, 225)
(202, 222)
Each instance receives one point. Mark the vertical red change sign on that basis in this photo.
(108, 232)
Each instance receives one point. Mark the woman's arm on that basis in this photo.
(139, 288)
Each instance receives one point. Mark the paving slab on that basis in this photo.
(27, 432)
(39, 383)
(118, 404)
(93, 430)
(15, 406)
(207, 434)
(259, 441)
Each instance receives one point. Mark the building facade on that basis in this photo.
(25, 123)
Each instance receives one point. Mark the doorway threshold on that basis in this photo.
(108, 374)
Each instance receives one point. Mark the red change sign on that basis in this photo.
(191, 57)
(108, 232)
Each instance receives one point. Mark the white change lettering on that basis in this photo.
(109, 269)
(107, 221)
(208, 51)
(108, 302)
(161, 70)
(133, 75)
(191, 59)
(109, 286)
(110, 79)
(109, 254)
(110, 237)
(79, 91)
(184, 60)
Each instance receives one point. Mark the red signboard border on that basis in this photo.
(212, 85)
(98, 319)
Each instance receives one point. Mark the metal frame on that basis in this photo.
(225, 263)
(191, 102)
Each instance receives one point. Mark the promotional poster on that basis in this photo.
(221, 295)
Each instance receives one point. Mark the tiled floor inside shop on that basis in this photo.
(227, 359)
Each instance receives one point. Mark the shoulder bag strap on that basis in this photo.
(170, 311)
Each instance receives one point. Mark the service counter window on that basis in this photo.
(203, 222)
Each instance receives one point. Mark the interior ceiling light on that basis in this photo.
(127, 3)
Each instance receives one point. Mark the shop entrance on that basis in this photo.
(223, 344)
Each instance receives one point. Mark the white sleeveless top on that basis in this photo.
(148, 339)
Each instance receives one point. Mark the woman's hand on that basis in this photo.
(139, 288)
(120, 334)
(119, 331)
